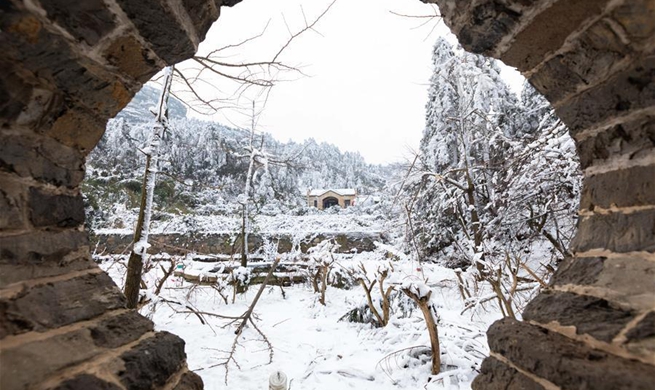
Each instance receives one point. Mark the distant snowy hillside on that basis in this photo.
(205, 165)
(138, 109)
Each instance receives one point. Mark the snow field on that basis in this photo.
(310, 345)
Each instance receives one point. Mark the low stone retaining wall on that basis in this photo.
(178, 244)
(285, 274)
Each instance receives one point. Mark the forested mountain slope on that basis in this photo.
(205, 165)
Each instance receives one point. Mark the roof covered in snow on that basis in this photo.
(339, 191)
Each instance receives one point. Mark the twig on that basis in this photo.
(163, 279)
(248, 313)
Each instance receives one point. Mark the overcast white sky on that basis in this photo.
(368, 71)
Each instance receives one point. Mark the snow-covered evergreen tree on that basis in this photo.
(486, 167)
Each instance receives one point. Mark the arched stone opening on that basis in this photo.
(64, 73)
(330, 201)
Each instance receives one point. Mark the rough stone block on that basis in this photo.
(84, 382)
(42, 159)
(203, 13)
(131, 59)
(596, 51)
(643, 330)
(641, 338)
(610, 189)
(120, 330)
(158, 24)
(616, 232)
(40, 254)
(152, 362)
(487, 23)
(633, 138)
(78, 129)
(92, 86)
(51, 61)
(56, 304)
(496, 375)
(548, 31)
(555, 80)
(453, 12)
(16, 22)
(48, 60)
(566, 363)
(189, 381)
(593, 316)
(87, 20)
(636, 17)
(60, 156)
(14, 96)
(20, 102)
(578, 271)
(626, 280)
(591, 60)
(32, 362)
(11, 204)
(627, 91)
(55, 210)
(229, 3)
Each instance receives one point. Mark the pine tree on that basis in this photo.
(463, 144)
(496, 180)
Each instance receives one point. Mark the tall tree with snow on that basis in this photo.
(140, 246)
(495, 178)
(463, 144)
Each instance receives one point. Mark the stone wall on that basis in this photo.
(178, 244)
(594, 327)
(66, 67)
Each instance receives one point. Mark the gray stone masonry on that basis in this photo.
(66, 67)
(594, 60)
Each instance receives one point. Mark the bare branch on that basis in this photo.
(307, 27)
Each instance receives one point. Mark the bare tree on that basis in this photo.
(194, 79)
(246, 318)
(421, 294)
(138, 255)
(368, 284)
(188, 81)
(319, 272)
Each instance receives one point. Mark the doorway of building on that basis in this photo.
(330, 202)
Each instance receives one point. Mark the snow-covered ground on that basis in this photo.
(311, 346)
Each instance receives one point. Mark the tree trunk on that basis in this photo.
(426, 307)
(244, 237)
(140, 246)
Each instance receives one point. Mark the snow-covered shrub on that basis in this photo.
(400, 306)
(378, 305)
(421, 294)
(322, 260)
(240, 279)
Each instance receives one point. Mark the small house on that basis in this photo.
(325, 198)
